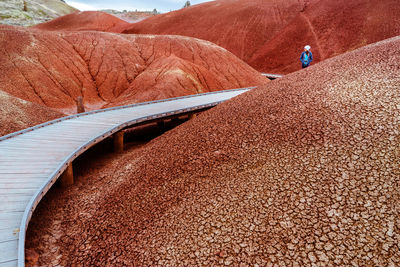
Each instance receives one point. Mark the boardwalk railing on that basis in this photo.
(33, 159)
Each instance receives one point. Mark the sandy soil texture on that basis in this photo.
(301, 171)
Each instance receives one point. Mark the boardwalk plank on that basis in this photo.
(27, 171)
(21, 190)
(32, 163)
(9, 234)
(8, 251)
(17, 183)
(7, 177)
(10, 215)
(15, 198)
(12, 263)
(7, 206)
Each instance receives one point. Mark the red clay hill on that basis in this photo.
(270, 35)
(302, 171)
(54, 68)
(17, 114)
(85, 21)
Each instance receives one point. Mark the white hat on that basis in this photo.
(307, 47)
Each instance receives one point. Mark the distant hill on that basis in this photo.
(131, 16)
(37, 11)
(85, 21)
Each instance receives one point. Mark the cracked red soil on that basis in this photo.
(302, 171)
(54, 68)
(270, 35)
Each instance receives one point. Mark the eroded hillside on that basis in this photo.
(54, 68)
(270, 35)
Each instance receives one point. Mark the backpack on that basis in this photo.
(306, 57)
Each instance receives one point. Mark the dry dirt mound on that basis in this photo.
(54, 68)
(17, 114)
(270, 35)
(303, 170)
(85, 21)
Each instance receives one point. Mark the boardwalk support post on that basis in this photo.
(80, 108)
(192, 116)
(67, 178)
(119, 142)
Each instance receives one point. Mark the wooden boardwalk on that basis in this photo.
(32, 160)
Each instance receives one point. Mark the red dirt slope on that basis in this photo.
(17, 114)
(332, 28)
(241, 26)
(85, 21)
(54, 68)
(303, 171)
(270, 35)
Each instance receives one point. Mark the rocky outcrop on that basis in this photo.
(54, 68)
(85, 21)
(17, 114)
(303, 171)
(270, 35)
(31, 12)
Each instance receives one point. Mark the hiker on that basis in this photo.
(306, 57)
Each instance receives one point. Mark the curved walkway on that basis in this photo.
(33, 159)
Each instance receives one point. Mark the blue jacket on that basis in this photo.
(303, 60)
